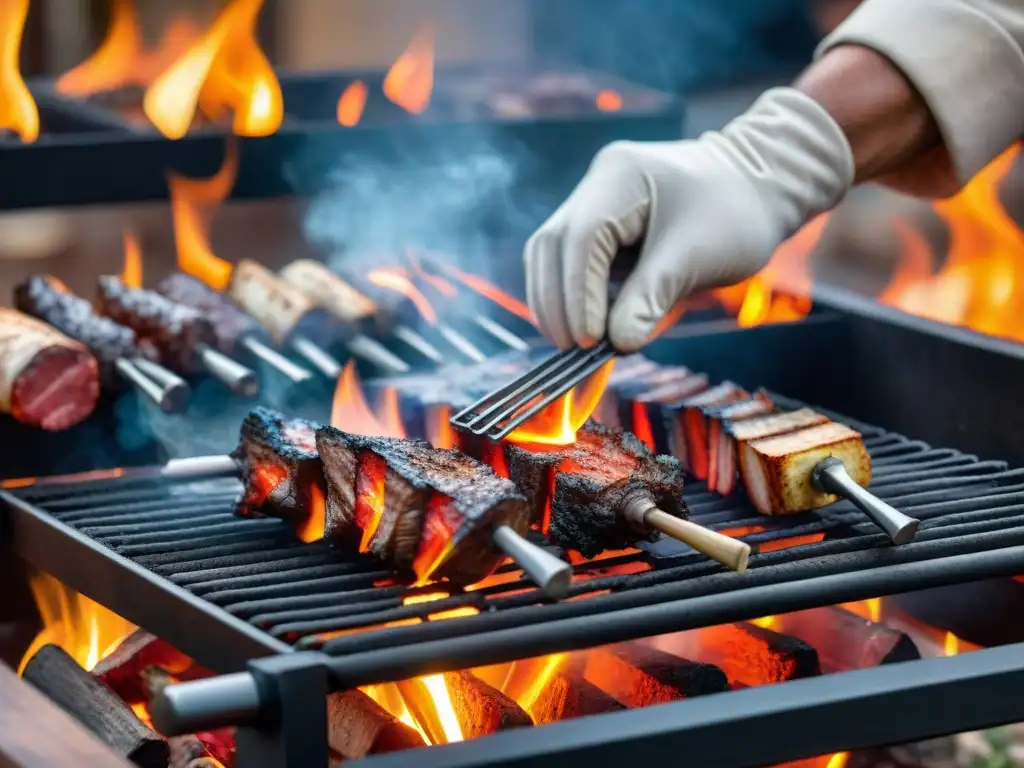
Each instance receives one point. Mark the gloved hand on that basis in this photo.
(711, 213)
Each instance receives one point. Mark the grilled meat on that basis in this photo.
(643, 413)
(417, 506)
(47, 299)
(579, 492)
(46, 379)
(632, 376)
(281, 309)
(722, 459)
(687, 423)
(230, 324)
(775, 424)
(175, 330)
(281, 473)
(777, 470)
(334, 295)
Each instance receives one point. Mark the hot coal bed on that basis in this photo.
(285, 624)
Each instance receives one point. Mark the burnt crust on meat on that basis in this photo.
(230, 324)
(279, 464)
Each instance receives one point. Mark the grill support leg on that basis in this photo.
(293, 694)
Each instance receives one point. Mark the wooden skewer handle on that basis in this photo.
(726, 550)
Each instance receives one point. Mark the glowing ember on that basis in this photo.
(18, 111)
(352, 103)
(122, 60)
(370, 485)
(225, 71)
(398, 279)
(312, 528)
(193, 202)
(131, 274)
(409, 82)
(608, 101)
(559, 422)
(838, 760)
(951, 644)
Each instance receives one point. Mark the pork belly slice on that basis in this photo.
(722, 462)
(646, 409)
(579, 492)
(280, 468)
(777, 470)
(628, 381)
(688, 421)
(774, 424)
(416, 506)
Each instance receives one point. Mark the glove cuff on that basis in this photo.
(793, 152)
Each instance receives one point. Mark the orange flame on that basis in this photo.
(18, 111)
(838, 760)
(224, 71)
(352, 103)
(350, 412)
(82, 627)
(608, 101)
(488, 290)
(192, 204)
(121, 59)
(398, 279)
(131, 274)
(409, 82)
(981, 283)
(559, 422)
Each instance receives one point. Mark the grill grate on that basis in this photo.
(309, 597)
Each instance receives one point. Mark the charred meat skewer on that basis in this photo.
(438, 512)
(47, 380)
(115, 346)
(183, 336)
(234, 330)
(608, 491)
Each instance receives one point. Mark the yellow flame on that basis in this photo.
(18, 110)
(443, 704)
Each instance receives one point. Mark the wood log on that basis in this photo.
(125, 670)
(567, 695)
(846, 641)
(638, 676)
(481, 709)
(96, 706)
(358, 726)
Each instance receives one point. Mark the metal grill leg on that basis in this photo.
(293, 732)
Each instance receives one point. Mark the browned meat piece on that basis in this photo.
(723, 466)
(687, 423)
(333, 294)
(230, 324)
(46, 379)
(775, 424)
(381, 489)
(777, 470)
(281, 473)
(579, 493)
(175, 330)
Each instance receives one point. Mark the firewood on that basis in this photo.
(357, 726)
(96, 706)
(638, 676)
(124, 670)
(567, 695)
(481, 709)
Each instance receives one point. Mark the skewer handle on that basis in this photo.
(552, 575)
(830, 476)
(317, 356)
(725, 549)
(266, 354)
(411, 338)
(461, 343)
(239, 379)
(200, 466)
(169, 392)
(375, 353)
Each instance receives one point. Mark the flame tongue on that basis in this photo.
(409, 82)
(131, 275)
(559, 422)
(18, 111)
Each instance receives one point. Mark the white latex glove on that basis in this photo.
(711, 213)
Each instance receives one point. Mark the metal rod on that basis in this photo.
(375, 353)
(461, 343)
(227, 700)
(726, 550)
(551, 574)
(267, 354)
(501, 333)
(408, 336)
(169, 392)
(831, 476)
(239, 379)
(200, 466)
(316, 356)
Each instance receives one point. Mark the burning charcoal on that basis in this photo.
(357, 726)
(59, 676)
(49, 380)
(748, 654)
(777, 470)
(687, 423)
(567, 695)
(125, 670)
(388, 490)
(281, 472)
(481, 709)
(639, 676)
(723, 463)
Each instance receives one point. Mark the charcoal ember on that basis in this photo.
(127, 669)
(47, 299)
(357, 726)
(174, 329)
(637, 675)
(280, 467)
(566, 695)
(481, 709)
(579, 492)
(230, 324)
(455, 500)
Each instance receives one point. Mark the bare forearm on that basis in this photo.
(883, 116)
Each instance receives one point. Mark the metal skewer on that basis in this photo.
(550, 574)
(500, 332)
(267, 354)
(316, 356)
(239, 379)
(168, 390)
(830, 476)
(460, 342)
(408, 336)
(644, 514)
(375, 353)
